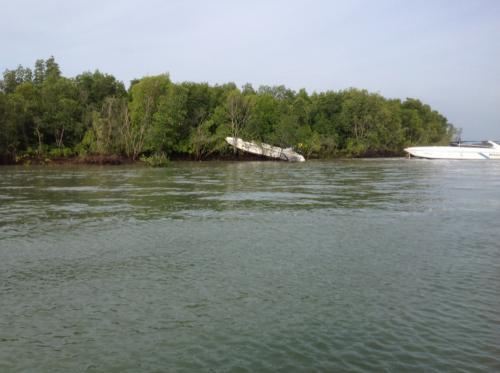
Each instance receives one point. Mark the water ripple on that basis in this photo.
(360, 265)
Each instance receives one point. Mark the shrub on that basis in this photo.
(156, 160)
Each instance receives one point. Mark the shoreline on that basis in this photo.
(114, 160)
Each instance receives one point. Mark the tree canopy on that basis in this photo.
(44, 114)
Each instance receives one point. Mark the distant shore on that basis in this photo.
(45, 114)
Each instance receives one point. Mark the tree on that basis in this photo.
(40, 72)
(9, 82)
(26, 103)
(265, 115)
(247, 89)
(8, 135)
(43, 113)
(239, 109)
(13, 78)
(203, 140)
(279, 92)
(286, 130)
(52, 70)
(423, 125)
(309, 142)
(109, 132)
(95, 87)
(144, 100)
(170, 131)
(60, 112)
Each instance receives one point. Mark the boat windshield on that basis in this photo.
(472, 144)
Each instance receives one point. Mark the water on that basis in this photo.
(363, 265)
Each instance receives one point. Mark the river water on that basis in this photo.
(362, 265)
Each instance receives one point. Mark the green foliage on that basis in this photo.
(43, 114)
(168, 129)
(204, 140)
(145, 98)
(266, 113)
(156, 160)
(309, 143)
(13, 78)
(286, 131)
(238, 108)
(61, 152)
(8, 130)
(94, 88)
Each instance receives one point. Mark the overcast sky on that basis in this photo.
(444, 52)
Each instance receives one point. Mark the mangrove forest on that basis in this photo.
(44, 115)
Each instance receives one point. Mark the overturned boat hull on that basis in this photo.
(265, 150)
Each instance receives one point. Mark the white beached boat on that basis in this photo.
(265, 150)
(458, 150)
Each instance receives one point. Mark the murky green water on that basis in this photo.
(365, 265)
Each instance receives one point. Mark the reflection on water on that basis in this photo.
(351, 265)
(43, 197)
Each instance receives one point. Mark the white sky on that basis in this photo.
(444, 52)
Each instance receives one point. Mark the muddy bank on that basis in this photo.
(108, 160)
(93, 159)
(121, 160)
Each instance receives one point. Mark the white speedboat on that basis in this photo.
(265, 150)
(458, 150)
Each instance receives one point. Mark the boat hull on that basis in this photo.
(265, 150)
(454, 152)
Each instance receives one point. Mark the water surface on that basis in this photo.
(362, 265)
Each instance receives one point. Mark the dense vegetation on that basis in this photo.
(46, 115)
